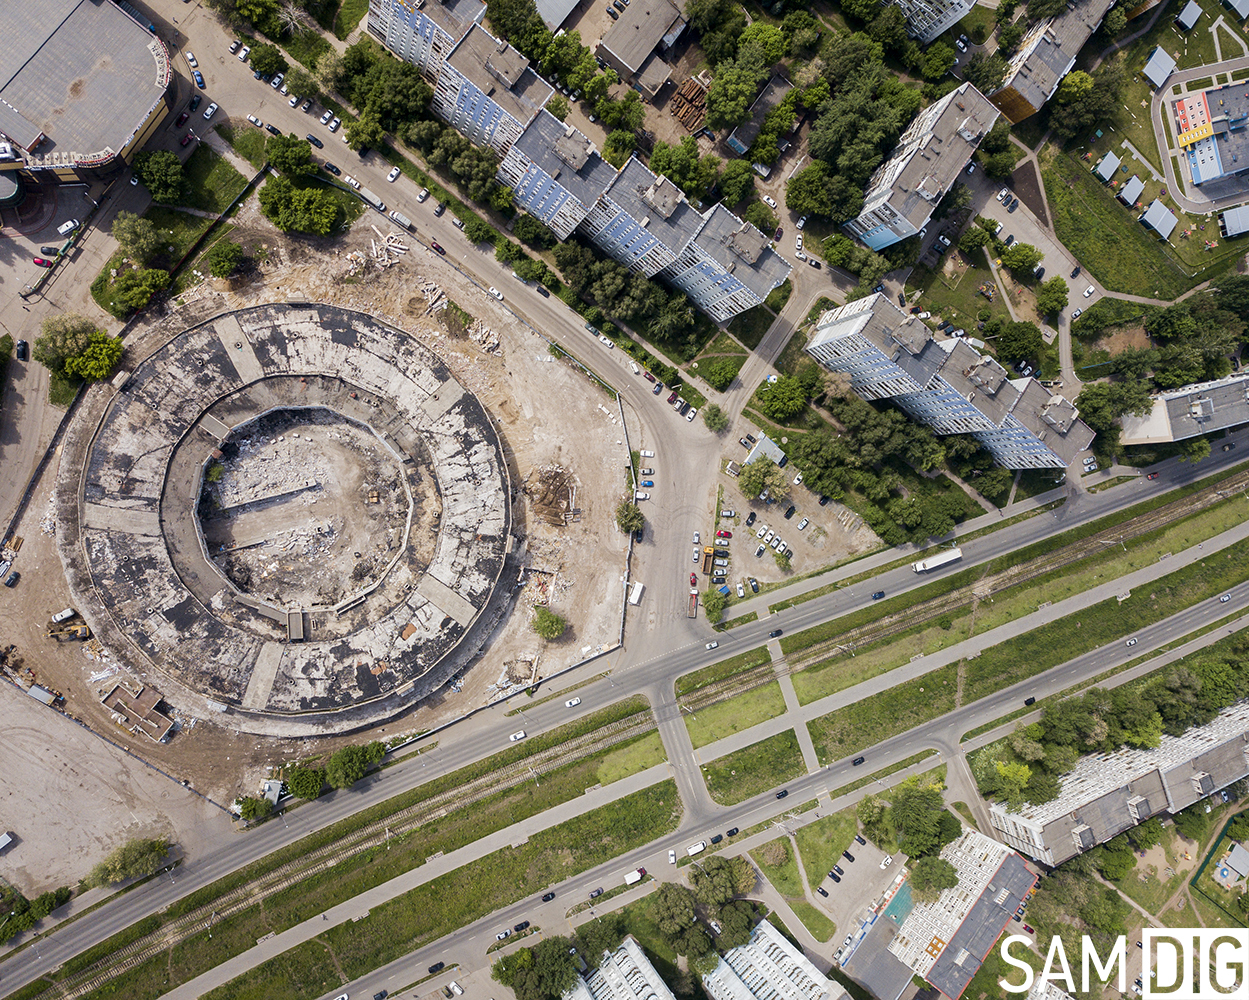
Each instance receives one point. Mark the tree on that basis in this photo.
(719, 22)
(763, 474)
(1020, 342)
(1021, 257)
(267, 60)
(1075, 86)
(478, 231)
(985, 72)
(600, 935)
(134, 289)
(629, 516)
(715, 880)
(889, 29)
(349, 764)
(714, 604)
(300, 81)
(133, 859)
(1051, 297)
(721, 372)
(253, 809)
(716, 420)
(814, 190)
(62, 337)
(684, 167)
(290, 155)
(543, 972)
(366, 131)
(329, 70)
(916, 815)
(1194, 449)
(760, 216)
(547, 624)
(766, 39)
(731, 93)
(737, 183)
(98, 360)
(161, 173)
(781, 400)
(301, 210)
(305, 782)
(558, 106)
(136, 237)
(1148, 834)
(973, 239)
(929, 876)
(224, 258)
(1008, 38)
(672, 908)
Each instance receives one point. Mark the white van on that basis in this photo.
(697, 848)
(62, 616)
(636, 594)
(65, 228)
(516, 737)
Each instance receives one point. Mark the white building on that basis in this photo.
(926, 19)
(423, 32)
(948, 385)
(930, 154)
(768, 967)
(1106, 794)
(487, 91)
(624, 974)
(1189, 411)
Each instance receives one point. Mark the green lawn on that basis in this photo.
(821, 843)
(249, 144)
(62, 390)
(212, 181)
(724, 718)
(349, 16)
(958, 300)
(725, 668)
(779, 296)
(179, 230)
(821, 928)
(785, 875)
(630, 758)
(754, 769)
(794, 353)
(750, 326)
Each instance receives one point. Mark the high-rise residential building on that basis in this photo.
(423, 32)
(1046, 54)
(1106, 794)
(556, 173)
(948, 385)
(768, 967)
(623, 974)
(926, 19)
(930, 154)
(486, 90)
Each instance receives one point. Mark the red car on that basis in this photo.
(649, 376)
(1152, 475)
(693, 580)
(44, 263)
(438, 249)
(724, 534)
(187, 138)
(780, 231)
(182, 119)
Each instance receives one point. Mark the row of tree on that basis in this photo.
(914, 819)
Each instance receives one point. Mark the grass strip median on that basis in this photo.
(755, 769)
(724, 718)
(454, 900)
(724, 669)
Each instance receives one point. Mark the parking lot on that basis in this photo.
(861, 884)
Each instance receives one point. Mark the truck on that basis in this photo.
(372, 199)
(941, 559)
(401, 219)
(636, 594)
(693, 603)
(709, 554)
(635, 876)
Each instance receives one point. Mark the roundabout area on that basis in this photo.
(290, 514)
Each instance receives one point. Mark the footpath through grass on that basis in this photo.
(755, 769)
(454, 900)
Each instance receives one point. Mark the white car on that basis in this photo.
(923, 315)
(422, 194)
(1225, 598)
(294, 101)
(572, 703)
(696, 555)
(943, 240)
(803, 523)
(325, 118)
(353, 182)
(763, 530)
(255, 121)
(769, 201)
(394, 172)
(641, 496)
(496, 293)
(697, 538)
(1130, 642)
(517, 737)
(1002, 194)
(190, 59)
(691, 415)
(672, 857)
(800, 255)
(244, 52)
(800, 223)
(798, 479)
(768, 536)
(210, 111)
(334, 125)
(276, 82)
(741, 592)
(711, 645)
(603, 339)
(886, 863)
(1089, 291)
(775, 541)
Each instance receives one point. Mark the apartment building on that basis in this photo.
(948, 385)
(423, 32)
(768, 967)
(623, 974)
(929, 157)
(926, 19)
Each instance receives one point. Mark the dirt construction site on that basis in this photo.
(565, 486)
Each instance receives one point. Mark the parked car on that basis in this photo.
(23, 350)
(769, 201)
(255, 121)
(210, 111)
(234, 46)
(437, 249)
(437, 967)
(1089, 291)
(596, 893)
(186, 138)
(613, 14)
(276, 82)
(440, 208)
(334, 125)
(325, 118)
(244, 52)
(199, 79)
(315, 141)
(394, 172)
(878, 595)
(307, 106)
(274, 130)
(548, 897)
(10, 581)
(44, 262)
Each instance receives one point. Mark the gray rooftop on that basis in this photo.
(1234, 221)
(657, 203)
(501, 73)
(875, 966)
(1159, 67)
(1131, 190)
(453, 16)
(1159, 218)
(1107, 167)
(555, 12)
(745, 134)
(82, 72)
(1048, 51)
(1189, 15)
(743, 250)
(1194, 409)
(641, 27)
(975, 936)
(567, 156)
(1241, 7)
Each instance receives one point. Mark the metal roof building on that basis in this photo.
(1131, 191)
(926, 19)
(1189, 15)
(1159, 218)
(423, 32)
(1234, 222)
(768, 967)
(1105, 169)
(1191, 410)
(1159, 66)
(645, 25)
(623, 974)
(555, 12)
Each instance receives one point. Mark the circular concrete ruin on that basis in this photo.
(290, 514)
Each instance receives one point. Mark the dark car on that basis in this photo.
(823, 501)
(1029, 701)
(23, 350)
(51, 251)
(1075, 271)
(182, 119)
(440, 208)
(782, 793)
(44, 262)
(901, 299)
(637, 536)
(315, 141)
(673, 398)
(542, 291)
(732, 832)
(719, 579)
(187, 138)
(783, 462)
(877, 595)
(751, 518)
(814, 263)
(717, 838)
(596, 893)
(437, 967)
(331, 168)
(437, 249)
(858, 760)
(835, 877)
(199, 79)
(548, 897)
(859, 839)
(196, 101)
(821, 890)
(273, 129)
(790, 512)
(776, 633)
(848, 856)
(1039, 273)
(838, 869)
(523, 925)
(685, 408)
(659, 387)
(754, 585)
(779, 233)
(380, 995)
(1013, 205)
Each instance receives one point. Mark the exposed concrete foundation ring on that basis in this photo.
(292, 514)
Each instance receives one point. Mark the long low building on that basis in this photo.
(1106, 794)
(948, 385)
(1191, 410)
(768, 967)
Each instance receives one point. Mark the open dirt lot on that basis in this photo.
(536, 401)
(53, 767)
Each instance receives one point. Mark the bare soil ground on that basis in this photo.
(1027, 185)
(536, 401)
(1122, 338)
